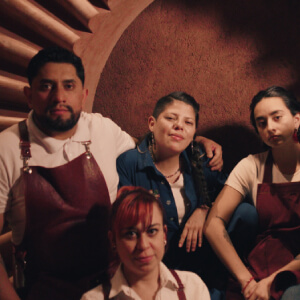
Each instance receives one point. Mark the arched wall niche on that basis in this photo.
(89, 28)
(220, 52)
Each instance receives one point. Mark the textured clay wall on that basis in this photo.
(221, 52)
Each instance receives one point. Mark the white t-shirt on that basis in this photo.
(194, 287)
(249, 172)
(179, 194)
(108, 142)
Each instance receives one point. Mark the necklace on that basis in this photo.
(154, 160)
(169, 176)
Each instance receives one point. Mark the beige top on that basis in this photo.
(178, 194)
(249, 172)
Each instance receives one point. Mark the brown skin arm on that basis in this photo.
(216, 233)
(7, 291)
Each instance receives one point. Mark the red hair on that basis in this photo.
(133, 205)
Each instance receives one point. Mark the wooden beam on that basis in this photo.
(40, 21)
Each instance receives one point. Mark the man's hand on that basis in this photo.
(193, 230)
(213, 151)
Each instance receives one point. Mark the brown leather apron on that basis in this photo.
(277, 244)
(67, 211)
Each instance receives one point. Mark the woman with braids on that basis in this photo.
(168, 163)
(272, 180)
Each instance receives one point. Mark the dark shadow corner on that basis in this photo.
(237, 142)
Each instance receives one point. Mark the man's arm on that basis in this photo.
(7, 292)
(213, 150)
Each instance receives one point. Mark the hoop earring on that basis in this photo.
(296, 135)
(192, 146)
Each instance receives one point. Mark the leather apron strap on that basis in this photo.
(67, 211)
(180, 290)
(24, 146)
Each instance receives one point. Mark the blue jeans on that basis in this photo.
(243, 228)
(292, 293)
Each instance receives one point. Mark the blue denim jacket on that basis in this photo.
(136, 168)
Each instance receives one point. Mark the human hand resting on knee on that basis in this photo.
(193, 230)
(258, 290)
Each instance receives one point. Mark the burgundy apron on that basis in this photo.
(277, 244)
(67, 211)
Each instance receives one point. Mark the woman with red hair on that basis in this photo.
(138, 236)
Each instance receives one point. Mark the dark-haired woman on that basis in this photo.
(168, 163)
(272, 179)
(138, 236)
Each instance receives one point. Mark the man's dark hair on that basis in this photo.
(56, 55)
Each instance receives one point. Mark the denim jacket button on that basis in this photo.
(168, 202)
(171, 219)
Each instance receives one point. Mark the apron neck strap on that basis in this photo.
(180, 291)
(24, 145)
(268, 168)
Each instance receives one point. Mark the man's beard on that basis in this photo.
(58, 124)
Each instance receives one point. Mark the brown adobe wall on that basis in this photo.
(220, 52)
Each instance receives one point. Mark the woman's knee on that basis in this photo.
(291, 293)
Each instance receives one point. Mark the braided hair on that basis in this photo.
(196, 159)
